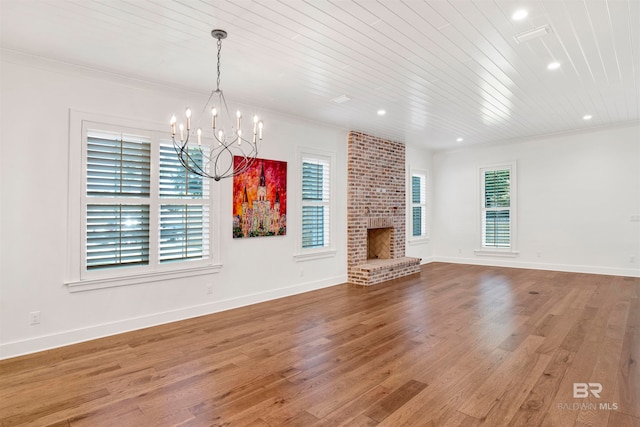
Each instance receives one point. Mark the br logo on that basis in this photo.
(582, 390)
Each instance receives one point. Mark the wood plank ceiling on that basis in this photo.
(442, 70)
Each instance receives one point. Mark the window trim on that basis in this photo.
(415, 240)
(512, 250)
(305, 254)
(78, 277)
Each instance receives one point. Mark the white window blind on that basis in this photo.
(184, 231)
(175, 181)
(117, 235)
(496, 208)
(418, 205)
(118, 165)
(120, 205)
(315, 202)
(184, 226)
(117, 230)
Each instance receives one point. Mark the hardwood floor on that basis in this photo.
(455, 345)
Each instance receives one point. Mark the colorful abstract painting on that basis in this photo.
(260, 199)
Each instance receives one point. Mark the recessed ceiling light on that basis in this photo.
(460, 139)
(519, 14)
(587, 117)
(382, 112)
(553, 66)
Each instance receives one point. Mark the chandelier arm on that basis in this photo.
(195, 164)
(204, 109)
(187, 160)
(224, 102)
(230, 167)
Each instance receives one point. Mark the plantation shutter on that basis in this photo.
(184, 231)
(118, 165)
(175, 180)
(184, 228)
(117, 235)
(418, 205)
(315, 203)
(497, 209)
(118, 169)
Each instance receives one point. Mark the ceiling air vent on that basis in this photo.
(532, 34)
(341, 99)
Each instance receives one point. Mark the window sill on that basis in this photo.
(418, 241)
(136, 279)
(507, 253)
(308, 256)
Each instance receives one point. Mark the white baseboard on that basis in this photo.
(427, 260)
(569, 268)
(60, 339)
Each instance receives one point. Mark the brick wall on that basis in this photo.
(376, 193)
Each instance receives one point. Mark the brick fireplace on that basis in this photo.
(376, 211)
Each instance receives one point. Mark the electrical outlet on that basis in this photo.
(34, 318)
(632, 259)
(209, 289)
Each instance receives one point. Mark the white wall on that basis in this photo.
(576, 193)
(36, 98)
(420, 160)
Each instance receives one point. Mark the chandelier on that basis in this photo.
(216, 160)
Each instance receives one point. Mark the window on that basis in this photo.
(184, 218)
(315, 203)
(117, 208)
(142, 217)
(316, 185)
(418, 205)
(498, 213)
(118, 222)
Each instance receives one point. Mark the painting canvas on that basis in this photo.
(260, 199)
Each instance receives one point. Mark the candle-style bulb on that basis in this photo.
(181, 132)
(188, 115)
(199, 136)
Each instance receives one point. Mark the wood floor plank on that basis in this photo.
(456, 345)
(513, 369)
(628, 385)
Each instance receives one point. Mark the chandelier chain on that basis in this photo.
(218, 68)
